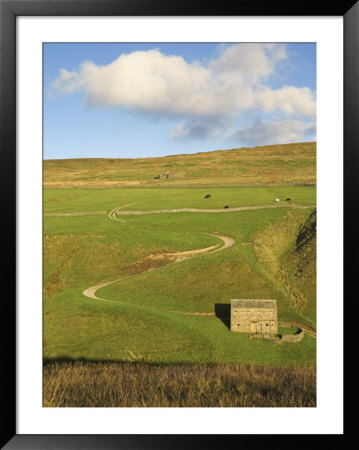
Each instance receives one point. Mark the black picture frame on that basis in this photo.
(9, 10)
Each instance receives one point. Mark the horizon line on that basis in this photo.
(179, 154)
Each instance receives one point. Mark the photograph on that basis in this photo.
(179, 224)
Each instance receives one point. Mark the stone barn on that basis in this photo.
(254, 316)
(168, 175)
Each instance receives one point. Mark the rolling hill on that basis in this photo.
(272, 164)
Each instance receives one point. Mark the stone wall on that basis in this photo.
(297, 337)
(292, 337)
(268, 336)
(280, 338)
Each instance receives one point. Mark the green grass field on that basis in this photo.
(152, 316)
(74, 200)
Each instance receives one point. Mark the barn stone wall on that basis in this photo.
(254, 316)
(259, 319)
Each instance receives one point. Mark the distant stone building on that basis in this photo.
(167, 175)
(254, 316)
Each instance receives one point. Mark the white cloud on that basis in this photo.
(148, 81)
(289, 99)
(249, 62)
(275, 132)
(68, 82)
(206, 97)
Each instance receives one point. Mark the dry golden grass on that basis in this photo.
(271, 164)
(105, 384)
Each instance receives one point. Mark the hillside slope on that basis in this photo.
(299, 267)
(272, 164)
(286, 252)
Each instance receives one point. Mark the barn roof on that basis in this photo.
(253, 303)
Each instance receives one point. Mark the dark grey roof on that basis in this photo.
(253, 303)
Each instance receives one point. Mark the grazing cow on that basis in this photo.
(226, 207)
(276, 200)
(290, 203)
(288, 199)
(207, 196)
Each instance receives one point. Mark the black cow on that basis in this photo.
(288, 199)
(226, 207)
(207, 196)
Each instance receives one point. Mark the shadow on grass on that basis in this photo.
(223, 312)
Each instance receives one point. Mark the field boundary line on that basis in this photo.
(116, 211)
(79, 213)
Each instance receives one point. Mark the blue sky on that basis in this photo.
(155, 99)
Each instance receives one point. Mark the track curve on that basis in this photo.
(178, 257)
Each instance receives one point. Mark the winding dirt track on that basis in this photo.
(173, 257)
(113, 213)
(117, 211)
